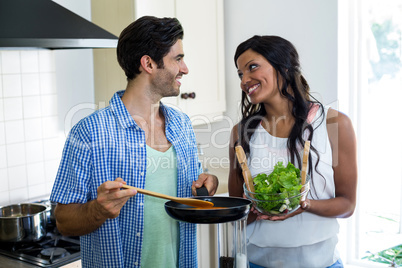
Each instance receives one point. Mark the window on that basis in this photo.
(372, 96)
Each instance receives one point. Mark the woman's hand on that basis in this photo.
(304, 205)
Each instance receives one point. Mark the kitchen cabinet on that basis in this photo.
(202, 94)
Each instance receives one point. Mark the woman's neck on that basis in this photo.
(278, 120)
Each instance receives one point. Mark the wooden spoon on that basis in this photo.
(185, 201)
(304, 165)
(241, 157)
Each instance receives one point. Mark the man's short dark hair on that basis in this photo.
(150, 36)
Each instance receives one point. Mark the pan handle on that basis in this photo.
(202, 191)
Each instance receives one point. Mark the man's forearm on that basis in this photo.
(78, 219)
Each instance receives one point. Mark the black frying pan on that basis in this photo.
(232, 209)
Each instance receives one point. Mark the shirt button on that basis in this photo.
(141, 145)
(141, 204)
(138, 234)
(142, 173)
(136, 263)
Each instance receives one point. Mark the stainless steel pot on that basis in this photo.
(50, 207)
(52, 217)
(22, 222)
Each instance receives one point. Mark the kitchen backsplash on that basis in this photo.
(31, 139)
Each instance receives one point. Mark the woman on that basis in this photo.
(278, 116)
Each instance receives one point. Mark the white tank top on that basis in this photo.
(273, 243)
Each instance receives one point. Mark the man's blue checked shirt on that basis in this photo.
(109, 144)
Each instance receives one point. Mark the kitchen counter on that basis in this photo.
(6, 262)
(76, 264)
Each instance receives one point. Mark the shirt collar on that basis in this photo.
(123, 116)
(120, 111)
(166, 113)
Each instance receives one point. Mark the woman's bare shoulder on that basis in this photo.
(337, 117)
(340, 128)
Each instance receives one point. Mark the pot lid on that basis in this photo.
(46, 24)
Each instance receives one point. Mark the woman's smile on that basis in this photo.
(251, 89)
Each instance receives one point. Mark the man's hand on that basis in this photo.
(208, 180)
(80, 219)
(111, 198)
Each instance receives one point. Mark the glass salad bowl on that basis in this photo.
(281, 203)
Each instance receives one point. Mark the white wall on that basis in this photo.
(311, 25)
(29, 135)
(74, 73)
(38, 88)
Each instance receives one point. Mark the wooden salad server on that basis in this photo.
(241, 158)
(304, 164)
(185, 201)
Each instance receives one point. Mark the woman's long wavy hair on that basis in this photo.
(283, 57)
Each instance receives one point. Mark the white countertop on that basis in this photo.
(76, 264)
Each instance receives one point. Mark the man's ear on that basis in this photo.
(147, 64)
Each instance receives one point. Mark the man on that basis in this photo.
(139, 141)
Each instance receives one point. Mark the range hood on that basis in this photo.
(46, 24)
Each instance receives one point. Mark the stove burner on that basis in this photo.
(53, 253)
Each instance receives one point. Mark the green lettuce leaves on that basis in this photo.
(277, 187)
